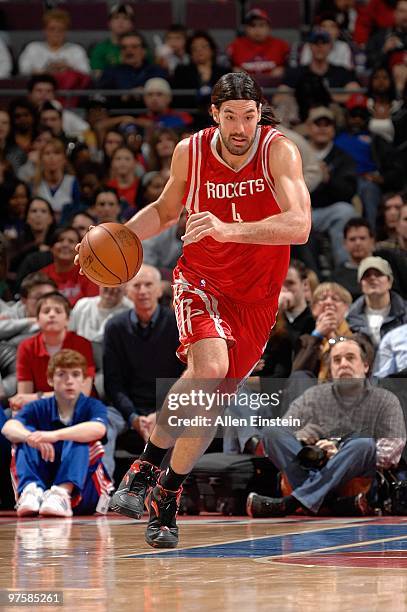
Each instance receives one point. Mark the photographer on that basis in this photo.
(358, 427)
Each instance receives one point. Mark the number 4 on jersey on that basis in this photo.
(235, 214)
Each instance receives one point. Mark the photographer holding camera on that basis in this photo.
(348, 429)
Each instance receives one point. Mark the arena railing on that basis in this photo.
(138, 93)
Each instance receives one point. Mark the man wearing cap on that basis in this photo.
(313, 82)
(107, 52)
(341, 52)
(257, 52)
(378, 310)
(331, 208)
(157, 97)
(378, 164)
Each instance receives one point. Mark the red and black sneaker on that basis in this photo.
(162, 530)
(130, 496)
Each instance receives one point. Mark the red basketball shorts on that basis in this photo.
(245, 327)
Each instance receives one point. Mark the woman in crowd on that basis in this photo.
(152, 185)
(24, 124)
(13, 221)
(8, 148)
(27, 171)
(35, 236)
(53, 181)
(382, 103)
(111, 141)
(62, 270)
(161, 145)
(123, 175)
(201, 74)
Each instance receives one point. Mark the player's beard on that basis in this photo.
(233, 149)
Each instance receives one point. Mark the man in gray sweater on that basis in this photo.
(359, 428)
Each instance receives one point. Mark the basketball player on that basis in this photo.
(242, 186)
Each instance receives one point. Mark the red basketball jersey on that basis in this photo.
(247, 273)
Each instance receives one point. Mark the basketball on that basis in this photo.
(110, 254)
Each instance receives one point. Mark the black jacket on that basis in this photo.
(397, 316)
(343, 181)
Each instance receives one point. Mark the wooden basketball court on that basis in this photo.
(103, 564)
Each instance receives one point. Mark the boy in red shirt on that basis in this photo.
(33, 354)
(257, 52)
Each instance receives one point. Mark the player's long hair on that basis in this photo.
(241, 86)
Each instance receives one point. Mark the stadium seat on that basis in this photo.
(84, 15)
(22, 17)
(201, 15)
(153, 14)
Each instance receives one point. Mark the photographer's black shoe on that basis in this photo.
(130, 496)
(260, 506)
(162, 530)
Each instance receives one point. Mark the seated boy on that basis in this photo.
(56, 466)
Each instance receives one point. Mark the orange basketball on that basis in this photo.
(110, 254)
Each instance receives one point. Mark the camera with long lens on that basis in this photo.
(313, 457)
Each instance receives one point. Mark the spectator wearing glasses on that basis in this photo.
(329, 306)
(359, 427)
(55, 55)
(134, 69)
(378, 310)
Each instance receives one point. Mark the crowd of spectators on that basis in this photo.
(69, 162)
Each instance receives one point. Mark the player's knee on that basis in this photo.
(215, 369)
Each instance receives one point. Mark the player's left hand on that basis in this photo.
(200, 225)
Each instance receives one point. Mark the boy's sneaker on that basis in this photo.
(130, 496)
(162, 530)
(29, 502)
(56, 502)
